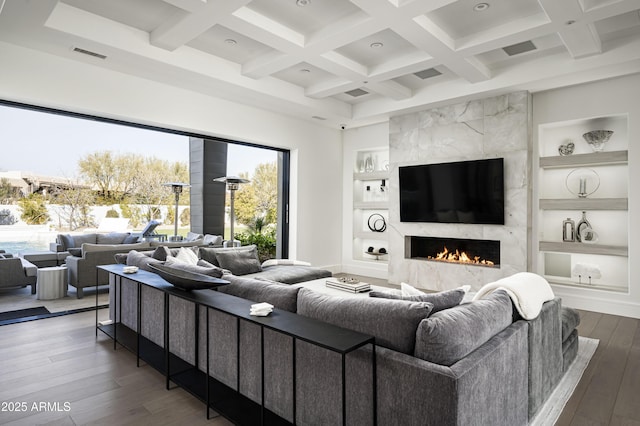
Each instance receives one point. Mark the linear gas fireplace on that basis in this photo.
(454, 250)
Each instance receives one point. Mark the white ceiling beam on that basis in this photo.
(185, 26)
(401, 66)
(331, 88)
(426, 36)
(188, 5)
(270, 63)
(580, 38)
(390, 89)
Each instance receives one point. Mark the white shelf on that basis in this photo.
(371, 205)
(584, 204)
(593, 159)
(377, 175)
(583, 248)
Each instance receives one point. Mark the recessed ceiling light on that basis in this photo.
(305, 70)
(481, 7)
(303, 3)
(230, 41)
(376, 45)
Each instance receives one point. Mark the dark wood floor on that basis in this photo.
(59, 360)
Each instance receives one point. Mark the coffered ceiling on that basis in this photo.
(348, 62)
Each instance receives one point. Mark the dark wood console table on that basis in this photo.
(227, 401)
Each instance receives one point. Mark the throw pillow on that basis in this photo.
(448, 336)
(442, 300)
(142, 261)
(274, 262)
(66, 241)
(161, 253)
(240, 261)
(212, 240)
(409, 290)
(186, 255)
(75, 251)
(196, 269)
(111, 238)
(131, 239)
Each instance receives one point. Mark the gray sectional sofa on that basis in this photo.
(17, 272)
(476, 363)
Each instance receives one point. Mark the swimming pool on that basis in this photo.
(17, 247)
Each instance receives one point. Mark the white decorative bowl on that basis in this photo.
(597, 138)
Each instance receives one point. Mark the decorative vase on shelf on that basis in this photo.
(568, 230)
(368, 164)
(584, 230)
(597, 138)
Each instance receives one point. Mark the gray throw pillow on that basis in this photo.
(142, 261)
(66, 241)
(392, 322)
(442, 300)
(131, 239)
(239, 261)
(196, 269)
(448, 336)
(161, 253)
(75, 251)
(208, 254)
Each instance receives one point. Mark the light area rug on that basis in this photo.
(551, 410)
(21, 298)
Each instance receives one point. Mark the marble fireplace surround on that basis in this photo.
(486, 128)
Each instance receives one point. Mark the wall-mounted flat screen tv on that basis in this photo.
(458, 192)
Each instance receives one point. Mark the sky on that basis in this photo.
(51, 144)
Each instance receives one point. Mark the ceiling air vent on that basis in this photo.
(90, 53)
(357, 92)
(518, 48)
(317, 117)
(428, 73)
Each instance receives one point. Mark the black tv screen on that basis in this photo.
(459, 192)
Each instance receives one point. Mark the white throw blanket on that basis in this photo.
(528, 292)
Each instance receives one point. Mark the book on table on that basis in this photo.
(356, 287)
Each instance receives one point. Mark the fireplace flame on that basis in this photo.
(457, 257)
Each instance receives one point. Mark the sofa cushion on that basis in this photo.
(88, 247)
(442, 300)
(570, 320)
(186, 255)
(290, 274)
(75, 251)
(161, 253)
(111, 238)
(240, 260)
(450, 335)
(279, 295)
(212, 240)
(176, 244)
(131, 238)
(142, 261)
(212, 271)
(392, 322)
(66, 241)
(80, 239)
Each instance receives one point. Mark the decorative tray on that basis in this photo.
(185, 280)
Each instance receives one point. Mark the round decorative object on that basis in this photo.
(582, 182)
(588, 235)
(370, 250)
(597, 138)
(566, 149)
(377, 223)
(382, 250)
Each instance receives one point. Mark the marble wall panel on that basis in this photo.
(488, 128)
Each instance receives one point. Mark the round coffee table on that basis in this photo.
(51, 283)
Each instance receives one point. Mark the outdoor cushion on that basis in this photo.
(131, 238)
(450, 335)
(66, 241)
(80, 239)
(442, 300)
(111, 238)
(392, 322)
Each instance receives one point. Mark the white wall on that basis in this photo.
(603, 98)
(41, 79)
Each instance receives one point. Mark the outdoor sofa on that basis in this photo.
(477, 363)
(17, 272)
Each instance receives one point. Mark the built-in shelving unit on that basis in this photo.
(370, 197)
(605, 206)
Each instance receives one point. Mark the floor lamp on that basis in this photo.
(233, 183)
(177, 190)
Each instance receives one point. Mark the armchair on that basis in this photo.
(17, 272)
